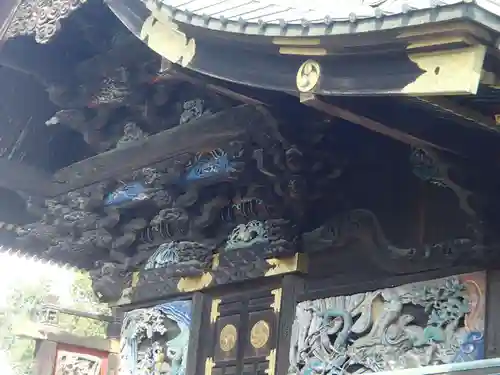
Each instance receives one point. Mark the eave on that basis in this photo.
(386, 55)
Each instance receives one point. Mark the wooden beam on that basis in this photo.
(205, 133)
(464, 113)
(171, 71)
(332, 110)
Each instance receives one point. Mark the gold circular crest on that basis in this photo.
(227, 339)
(259, 335)
(308, 76)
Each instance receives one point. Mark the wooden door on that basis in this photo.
(243, 333)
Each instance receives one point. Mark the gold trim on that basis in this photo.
(450, 72)
(497, 119)
(276, 305)
(209, 365)
(308, 76)
(297, 262)
(271, 358)
(214, 311)
(215, 261)
(192, 284)
(296, 41)
(303, 51)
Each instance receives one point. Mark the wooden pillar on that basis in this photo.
(292, 286)
(492, 321)
(45, 357)
(200, 308)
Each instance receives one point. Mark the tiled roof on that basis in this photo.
(276, 14)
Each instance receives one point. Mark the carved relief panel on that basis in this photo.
(72, 363)
(155, 340)
(244, 333)
(425, 323)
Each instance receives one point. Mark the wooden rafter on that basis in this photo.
(335, 111)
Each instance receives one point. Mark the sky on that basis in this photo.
(16, 270)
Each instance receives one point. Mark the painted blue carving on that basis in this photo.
(134, 191)
(148, 326)
(472, 348)
(216, 164)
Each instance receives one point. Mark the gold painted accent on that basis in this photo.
(296, 41)
(308, 76)
(271, 358)
(228, 337)
(297, 262)
(191, 284)
(497, 119)
(135, 279)
(451, 72)
(114, 346)
(259, 334)
(276, 305)
(209, 365)
(215, 261)
(214, 311)
(303, 51)
(163, 36)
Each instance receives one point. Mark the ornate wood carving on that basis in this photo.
(360, 229)
(156, 339)
(425, 323)
(70, 363)
(186, 191)
(42, 18)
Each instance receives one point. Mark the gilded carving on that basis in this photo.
(194, 283)
(286, 265)
(164, 37)
(259, 334)
(228, 337)
(308, 76)
(425, 323)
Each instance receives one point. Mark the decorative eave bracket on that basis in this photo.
(35, 17)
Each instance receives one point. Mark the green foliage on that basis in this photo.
(22, 300)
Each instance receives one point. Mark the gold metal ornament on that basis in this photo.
(259, 335)
(308, 76)
(228, 337)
